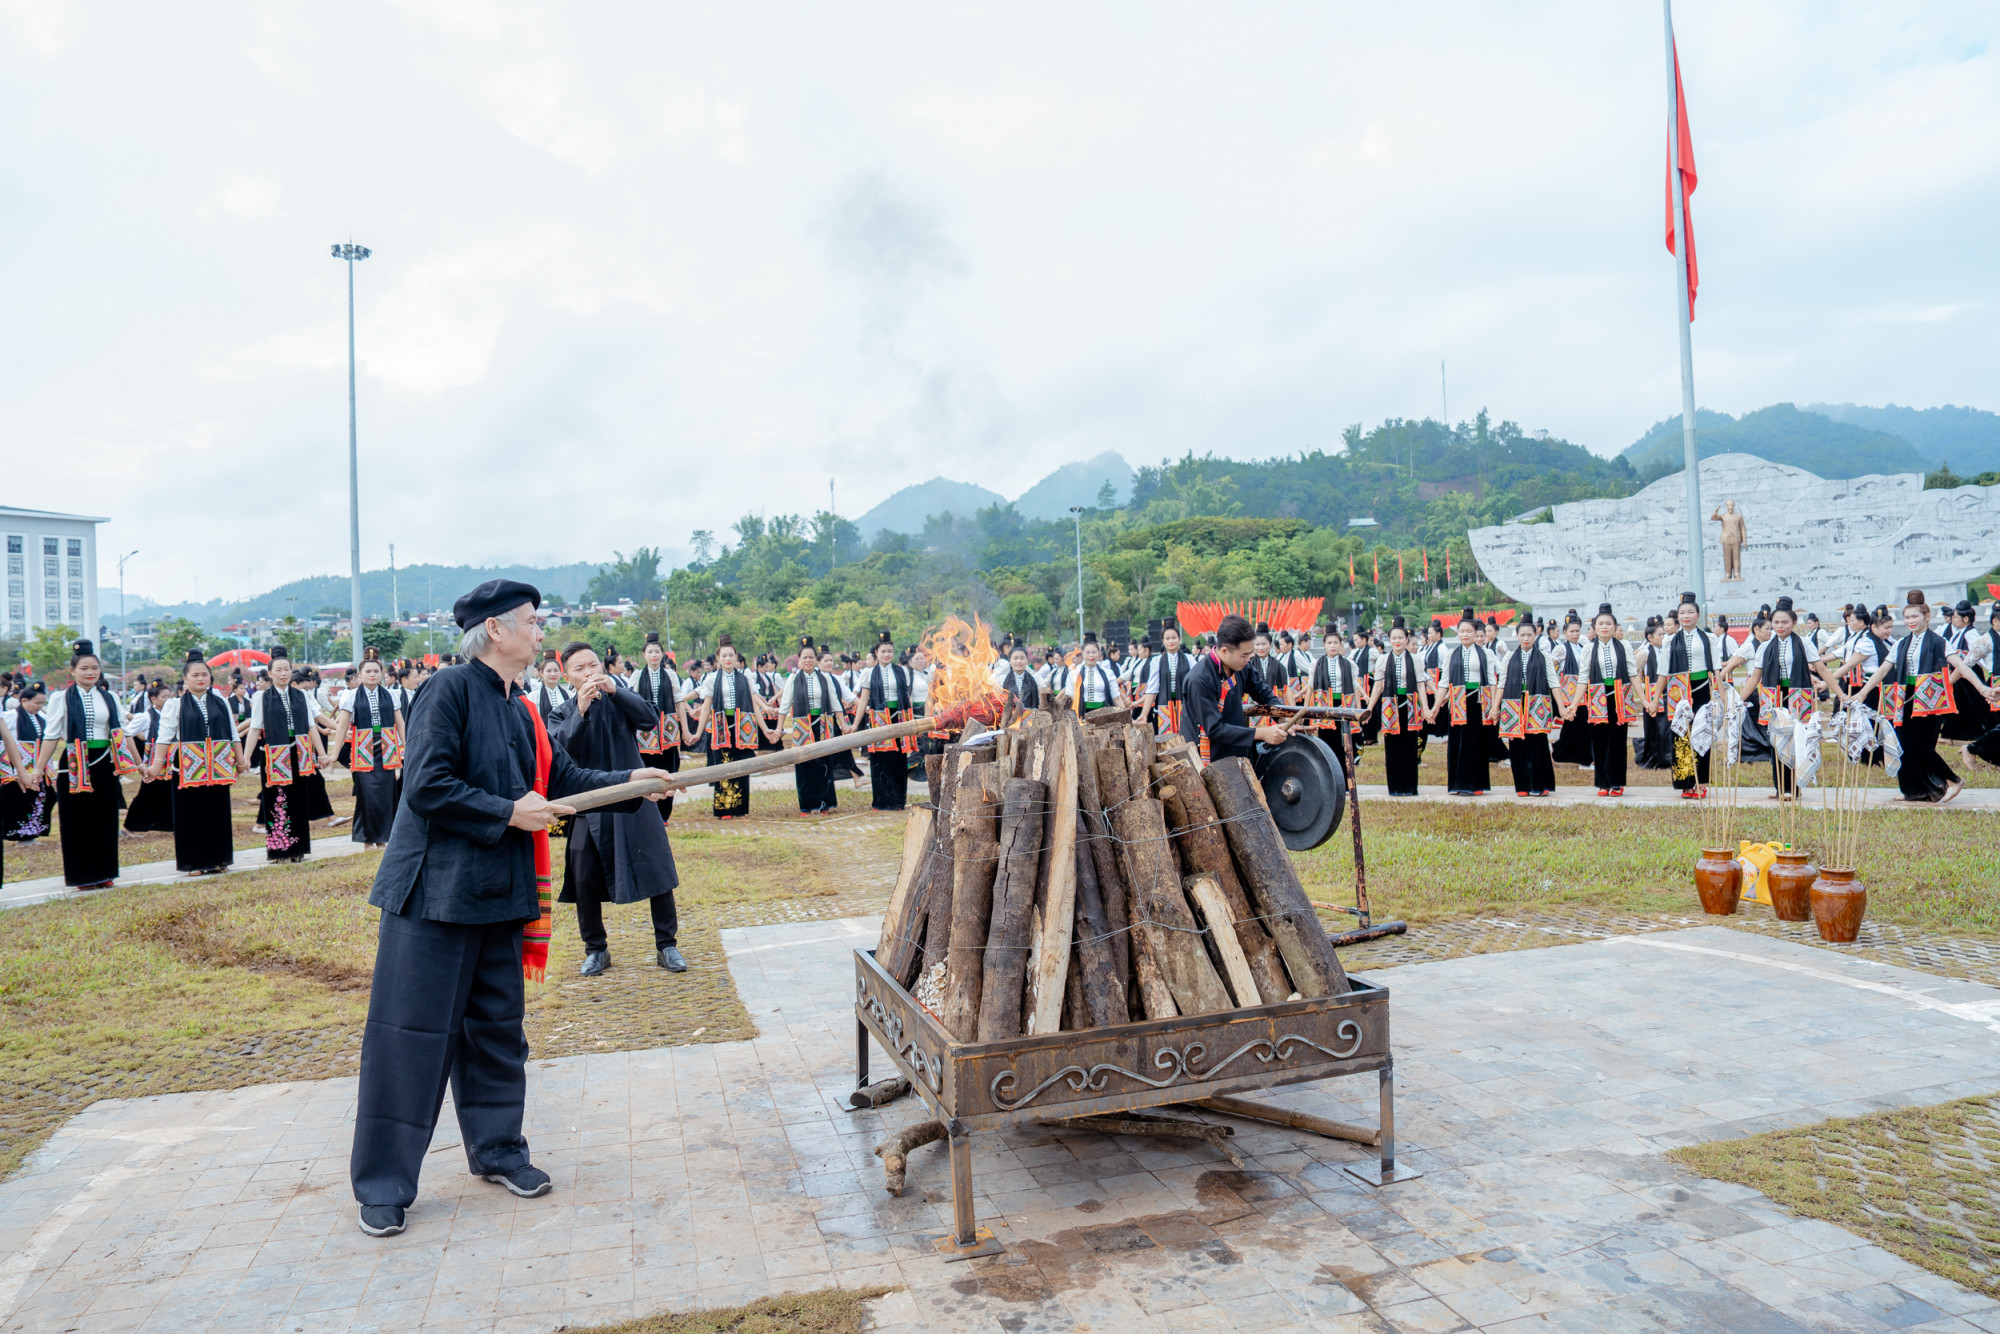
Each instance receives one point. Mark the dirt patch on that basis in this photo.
(198, 934)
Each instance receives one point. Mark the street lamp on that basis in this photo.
(1077, 510)
(350, 253)
(124, 631)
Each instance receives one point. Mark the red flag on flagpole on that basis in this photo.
(1427, 564)
(1351, 580)
(1686, 138)
(1399, 567)
(1378, 569)
(1447, 567)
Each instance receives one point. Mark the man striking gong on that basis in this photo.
(457, 883)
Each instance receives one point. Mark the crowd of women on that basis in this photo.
(1544, 695)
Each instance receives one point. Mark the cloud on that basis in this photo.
(639, 269)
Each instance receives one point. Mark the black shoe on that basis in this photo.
(527, 1182)
(595, 962)
(672, 960)
(381, 1220)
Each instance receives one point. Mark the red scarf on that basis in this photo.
(535, 936)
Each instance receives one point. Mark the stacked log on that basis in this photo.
(1067, 876)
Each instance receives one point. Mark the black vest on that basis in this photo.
(1677, 654)
(746, 697)
(1023, 687)
(829, 693)
(364, 717)
(277, 726)
(1173, 672)
(878, 698)
(209, 721)
(73, 711)
(1534, 680)
(1323, 674)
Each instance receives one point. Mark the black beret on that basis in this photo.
(495, 597)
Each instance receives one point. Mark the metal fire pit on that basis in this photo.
(1155, 1062)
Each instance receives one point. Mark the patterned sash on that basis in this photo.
(1541, 715)
(734, 729)
(1931, 696)
(1513, 719)
(1569, 690)
(1489, 701)
(1455, 697)
(1680, 686)
(363, 757)
(884, 718)
(1170, 717)
(288, 761)
(803, 731)
(205, 763)
(1893, 695)
(535, 935)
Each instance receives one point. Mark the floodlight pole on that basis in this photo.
(1077, 510)
(124, 630)
(350, 253)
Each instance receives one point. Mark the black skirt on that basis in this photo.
(889, 778)
(732, 795)
(24, 815)
(1401, 756)
(287, 834)
(152, 809)
(374, 806)
(1466, 756)
(310, 795)
(90, 824)
(814, 780)
(203, 837)
(1572, 744)
(1974, 714)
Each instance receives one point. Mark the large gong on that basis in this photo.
(1305, 788)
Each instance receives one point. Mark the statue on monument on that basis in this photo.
(1733, 533)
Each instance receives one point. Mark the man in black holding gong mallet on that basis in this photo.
(457, 883)
(1214, 717)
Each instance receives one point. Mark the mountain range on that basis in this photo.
(1072, 484)
(416, 588)
(1832, 439)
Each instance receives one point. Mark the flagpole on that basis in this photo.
(1691, 454)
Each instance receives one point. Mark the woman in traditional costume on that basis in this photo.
(1655, 747)
(196, 749)
(1019, 682)
(1987, 747)
(19, 775)
(1572, 743)
(152, 809)
(1917, 697)
(883, 695)
(1784, 674)
(1608, 707)
(549, 688)
(1401, 695)
(25, 798)
(1528, 711)
(1696, 661)
(814, 707)
(281, 720)
(86, 734)
(657, 684)
(1335, 683)
(1092, 685)
(732, 718)
(1165, 682)
(1472, 689)
(1961, 637)
(370, 721)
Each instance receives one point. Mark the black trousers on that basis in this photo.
(586, 880)
(1465, 758)
(1608, 754)
(1534, 771)
(1924, 773)
(445, 1005)
(889, 778)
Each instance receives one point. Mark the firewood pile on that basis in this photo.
(1069, 876)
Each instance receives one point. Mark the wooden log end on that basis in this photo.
(895, 1151)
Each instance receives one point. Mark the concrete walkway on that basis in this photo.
(1748, 798)
(1538, 1091)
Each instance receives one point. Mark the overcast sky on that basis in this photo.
(641, 268)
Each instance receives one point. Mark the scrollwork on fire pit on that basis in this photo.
(927, 1065)
(1182, 1064)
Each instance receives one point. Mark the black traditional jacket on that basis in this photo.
(631, 847)
(471, 753)
(1214, 707)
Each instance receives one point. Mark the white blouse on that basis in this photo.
(96, 726)
(170, 719)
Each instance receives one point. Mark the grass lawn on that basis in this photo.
(829, 1311)
(32, 861)
(218, 983)
(1923, 1182)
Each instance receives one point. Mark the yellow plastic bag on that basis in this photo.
(1757, 859)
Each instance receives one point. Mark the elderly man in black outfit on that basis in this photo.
(456, 885)
(612, 857)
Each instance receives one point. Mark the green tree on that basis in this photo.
(1026, 614)
(383, 637)
(176, 635)
(49, 648)
(636, 577)
(292, 635)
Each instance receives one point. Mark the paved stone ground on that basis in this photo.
(1538, 1090)
(1875, 799)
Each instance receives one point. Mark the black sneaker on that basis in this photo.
(381, 1220)
(673, 960)
(527, 1182)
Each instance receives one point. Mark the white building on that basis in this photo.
(51, 572)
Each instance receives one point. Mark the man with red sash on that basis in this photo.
(466, 869)
(1216, 687)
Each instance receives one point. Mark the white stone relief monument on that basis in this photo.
(1821, 542)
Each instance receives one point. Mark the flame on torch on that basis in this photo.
(962, 677)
